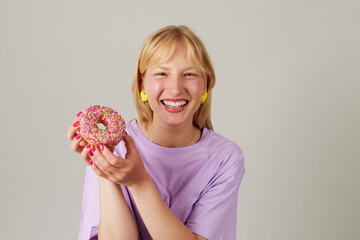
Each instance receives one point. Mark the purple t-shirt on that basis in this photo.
(199, 183)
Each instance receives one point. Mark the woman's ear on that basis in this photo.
(141, 79)
(205, 89)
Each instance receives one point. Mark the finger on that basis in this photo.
(75, 144)
(77, 116)
(109, 155)
(71, 132)
(83, 143)
(101, 161)
(98, 171)
(85, 155)
(130, 145)
(90, 159)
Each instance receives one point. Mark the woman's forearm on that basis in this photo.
(158, 218)
(116, 220)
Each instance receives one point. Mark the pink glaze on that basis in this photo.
(114, 123)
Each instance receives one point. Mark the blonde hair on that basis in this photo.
(157, 49)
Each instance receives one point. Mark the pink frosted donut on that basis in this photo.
(113, 122)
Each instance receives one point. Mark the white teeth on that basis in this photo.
(174, 104)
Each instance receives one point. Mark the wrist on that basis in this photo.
(145, 183)
(104, 181)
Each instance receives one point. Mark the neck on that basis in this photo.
(172, 136)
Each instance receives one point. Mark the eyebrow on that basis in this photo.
(185, 69)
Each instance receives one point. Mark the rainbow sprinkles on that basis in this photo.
(97, 114)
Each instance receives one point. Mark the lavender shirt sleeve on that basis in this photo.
(90, 213)
(214, 214)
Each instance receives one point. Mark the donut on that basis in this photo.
(89, 129)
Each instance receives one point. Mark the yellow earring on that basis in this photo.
(203, 97)
(143, 96)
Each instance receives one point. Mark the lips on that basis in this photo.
(174, 106)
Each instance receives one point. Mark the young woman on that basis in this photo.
(172, 177)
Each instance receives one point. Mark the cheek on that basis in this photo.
(152, 85)
(197, 86)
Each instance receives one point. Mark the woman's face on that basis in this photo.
(174, 90)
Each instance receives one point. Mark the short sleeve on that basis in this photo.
(90, 212)
(214, 214)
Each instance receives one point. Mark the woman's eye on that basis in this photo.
(161, 74)
(190, 74)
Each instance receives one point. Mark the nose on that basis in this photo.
(175, 85)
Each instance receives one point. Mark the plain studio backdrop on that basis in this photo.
(287, 93)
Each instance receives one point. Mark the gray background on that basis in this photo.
(287, 92)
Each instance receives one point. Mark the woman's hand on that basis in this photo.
(77, 142)
(129, 171)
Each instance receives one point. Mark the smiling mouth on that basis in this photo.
(175, 104)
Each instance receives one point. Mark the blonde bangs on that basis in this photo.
(157, 52)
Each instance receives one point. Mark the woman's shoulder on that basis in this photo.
(223, 150)
(225, 157)
(218, 142)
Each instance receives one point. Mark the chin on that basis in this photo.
(176, 121)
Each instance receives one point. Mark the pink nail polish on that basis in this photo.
(78, 137)
(78, 115)
(101, 147)
(76, 124)
(93, 148)
(91, 162)
(88, 145)
(91, 153)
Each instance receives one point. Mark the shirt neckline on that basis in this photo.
(166, 150)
